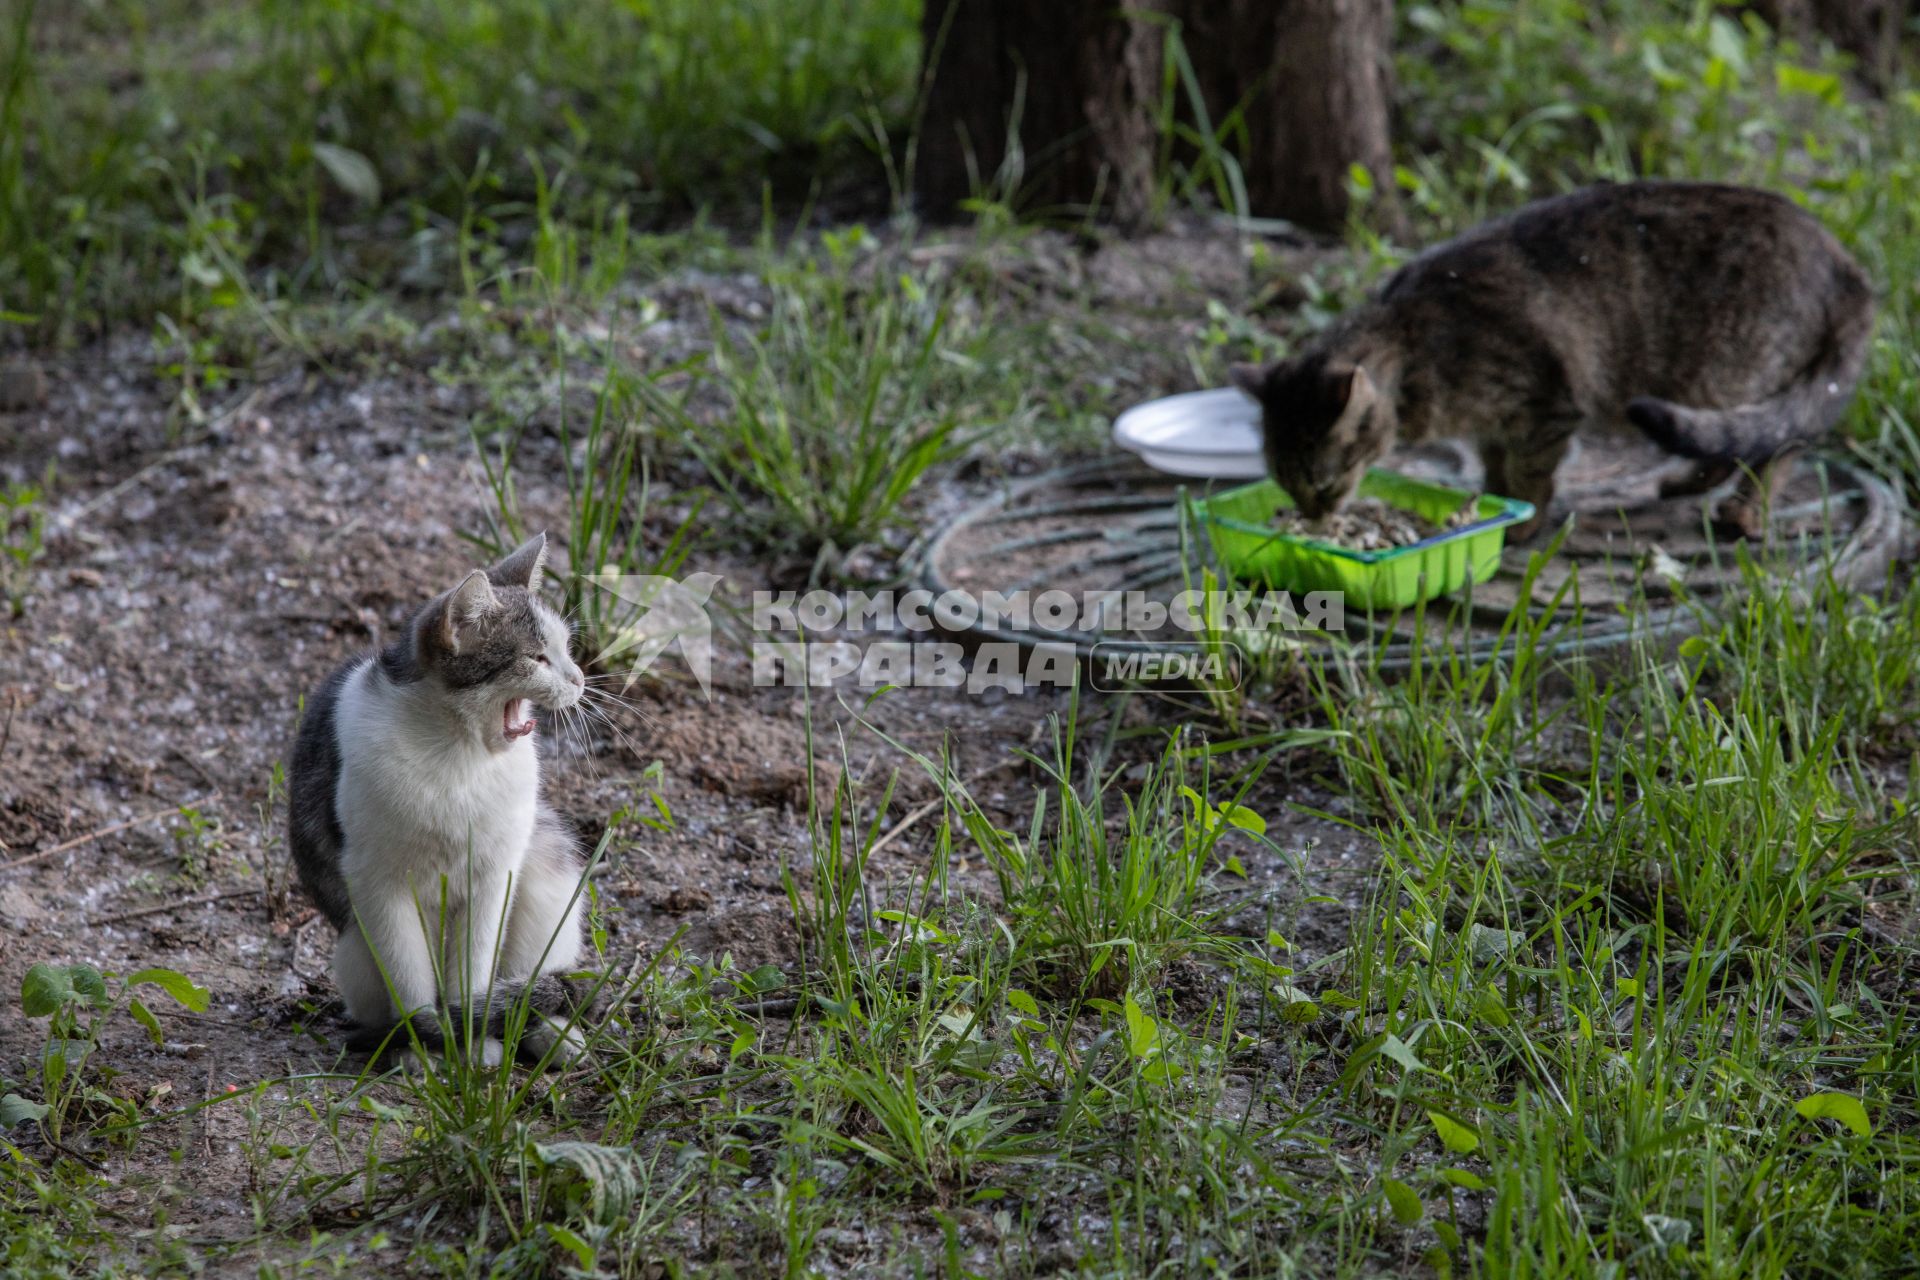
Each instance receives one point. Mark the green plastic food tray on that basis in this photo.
(1252, 550)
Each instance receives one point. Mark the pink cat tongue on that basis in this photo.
(509, 727)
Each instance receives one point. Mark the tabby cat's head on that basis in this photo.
(1323, 425)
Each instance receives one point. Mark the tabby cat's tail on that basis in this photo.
(1754, 433)
(548, 996)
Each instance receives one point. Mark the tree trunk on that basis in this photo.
(1870, 30)
(1313, 80)
(1048, 105)
(1055, 105)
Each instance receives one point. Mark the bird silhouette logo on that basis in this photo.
(650, 614)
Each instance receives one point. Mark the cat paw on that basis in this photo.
(570, 1046)
(414, 1062)
(1736, 519)
(1527, 528)
(561, 1045)
(1696, 478)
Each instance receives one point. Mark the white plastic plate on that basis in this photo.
(1212, 434)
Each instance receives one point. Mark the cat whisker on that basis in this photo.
(584, 715)
(604, 700)
(606, 721)
(582, 738)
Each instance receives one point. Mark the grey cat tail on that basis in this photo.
(548, 998)
(1755, 433)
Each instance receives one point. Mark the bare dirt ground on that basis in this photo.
(197, 582)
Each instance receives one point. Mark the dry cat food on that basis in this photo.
(1368, 524)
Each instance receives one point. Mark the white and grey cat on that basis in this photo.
(417, 825)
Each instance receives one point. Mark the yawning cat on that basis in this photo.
(416, 819)
(1725, 322)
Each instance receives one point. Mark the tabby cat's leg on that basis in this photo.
(1744, 512)
(1698, 478)
(1529, 476)
(1494, 458)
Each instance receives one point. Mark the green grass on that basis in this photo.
(860, 383)
(1628, 1016)
(23, 536)
(1627, 1042)
(1639, 1031)
(305, 145)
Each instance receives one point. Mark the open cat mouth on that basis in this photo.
(510, 723)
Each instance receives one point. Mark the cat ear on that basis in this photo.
(1250, 378)
(466, 604)
(523, 567)
(1361, 393)
(1354, 390)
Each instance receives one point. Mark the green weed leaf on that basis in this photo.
(1161, 1071)
(1815, 84)
(601, 1181)
(47, 988)
(43, 990)
(768, 977)
(582, 1252)
(1296, 1006)
(1843, 1107)
(144, 1016)
(15, 1109)
(177, 985)
(1143, 1033)
(89, 985)
(1238, 815)
(1401, 1052)
(384, 1111)
(1406, 1206)
(353, 171)
(1491, 944)
(1459, 1138)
